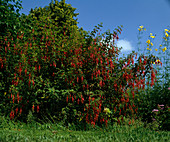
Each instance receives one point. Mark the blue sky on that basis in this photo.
(152, 14)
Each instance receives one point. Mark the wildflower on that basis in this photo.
(153, 119)
(151, 44)
(148, 41)
(160, 45)
(165, 38)
(149, 49)
(161, 106)
(155, 110)
(168, 88)
(156, 49)
(38, 108)
(152, 35)
(164, 49)
(166, 34)
(166, 30)
(141, 26)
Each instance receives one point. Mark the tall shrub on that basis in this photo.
(64, 70)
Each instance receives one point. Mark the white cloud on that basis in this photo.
(125, 44)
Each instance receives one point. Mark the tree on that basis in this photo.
(9, 22)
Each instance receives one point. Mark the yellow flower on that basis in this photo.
(156, 49)
(166, 35)
(148, 41)
(166, 30)
(148, 49)
(164, 49)
(152, 36)
(165, 38)
(139, 29)
(144, 29)
(151, 44)
(4, 93)
(141, 26)
(160, 45)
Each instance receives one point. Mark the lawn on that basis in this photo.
(36, 132)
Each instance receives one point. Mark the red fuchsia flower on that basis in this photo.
(67, 99)
(29, 83)
(87, 86)
(118, 121)
(16, 110)
(25, 71)
(12, 115)
(122, 118)
(129, 122)
(115, 109)
(87, 117)
(18, 97)
(35, 68)
(82, 100)
(72, 99)
(92, 76)
(33, 82)
(78, 101)
(20, 70)
(93, 123)
(33, 107)
(39, 67)
(136, 110)
(120, 112)
(100, 83)
(53, 74)
(38, 108)
(82, 79)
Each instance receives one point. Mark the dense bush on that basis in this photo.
(58, 69)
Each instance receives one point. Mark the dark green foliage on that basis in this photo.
(9, 13)
(149, 100)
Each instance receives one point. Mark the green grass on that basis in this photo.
(34, 132)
